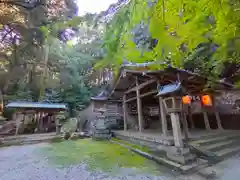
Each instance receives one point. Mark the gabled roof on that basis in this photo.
(102, 96)
(168, 89)
(169, 73)
(128, 71)
(36, 105)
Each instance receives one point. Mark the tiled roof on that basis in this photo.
(36, 105)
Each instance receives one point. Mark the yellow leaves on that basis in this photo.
(10, 14)
(70, 43)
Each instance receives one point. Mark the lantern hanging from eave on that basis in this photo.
(186, 99)
(206, 100)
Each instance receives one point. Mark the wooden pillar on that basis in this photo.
(41, 121)
(185, 125)
(38, 121)
(177, 135)
(139, 107)
(56, 123)
(17, 122)
(125, 112)
(191, 118)
(206, 121)
(14, 116)
(217, 115)
(49, 119)
(163, 117)
(219, 124)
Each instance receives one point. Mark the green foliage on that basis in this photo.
(73, 68)
(43, 66)
(180, 27)
(54, 28)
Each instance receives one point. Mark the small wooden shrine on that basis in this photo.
(42, 114)
(112, 109)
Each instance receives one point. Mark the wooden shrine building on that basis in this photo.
(42, 114)
(136, 89)
(174, 106)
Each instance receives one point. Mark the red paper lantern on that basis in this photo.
(206, 100)
(186, 99)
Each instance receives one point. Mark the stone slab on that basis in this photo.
(175, 150)
(180, 155)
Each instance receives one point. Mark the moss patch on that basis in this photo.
(101, 155)
(135, 146)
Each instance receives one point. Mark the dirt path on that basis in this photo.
(22, 163)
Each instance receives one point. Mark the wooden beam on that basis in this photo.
(140, 86)
(141, 96)
(148, 93)
(130, 99)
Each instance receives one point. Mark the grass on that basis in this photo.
(102, 155)
(135, 146)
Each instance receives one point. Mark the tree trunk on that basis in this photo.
(42, 85)
(1, 103)
(71, 109)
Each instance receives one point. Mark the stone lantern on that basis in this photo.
(101, 131)
(172, 100)
(173, 104)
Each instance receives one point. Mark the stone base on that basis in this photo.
(180, 155)
(101, 133)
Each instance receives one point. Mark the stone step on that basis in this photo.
(103, 131)
(163, 160)
(219, 145)
(228, 151)
(214, 140)
(218, 134)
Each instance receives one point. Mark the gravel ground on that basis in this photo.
(22, 163)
